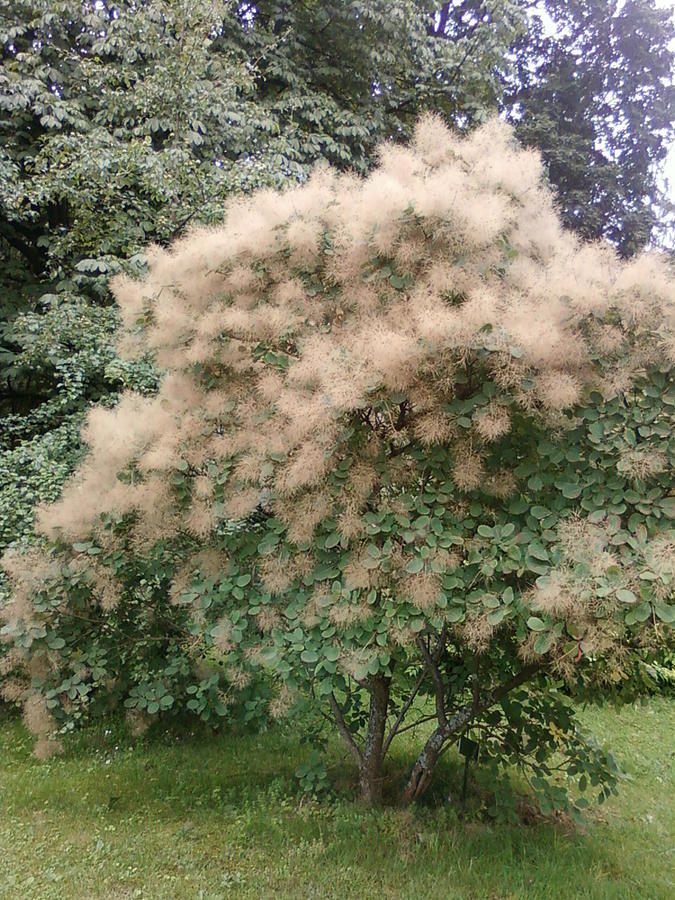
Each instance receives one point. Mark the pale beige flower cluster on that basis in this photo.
(309, 309)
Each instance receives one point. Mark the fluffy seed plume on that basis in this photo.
(307, 276)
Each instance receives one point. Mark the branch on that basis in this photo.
(400, 422)
(432, 668)
(347, 736)
(396, 451)
(416, 723)
(27, 248)
(402, 714)
(177, 230)
(470, 711)
(514, 682)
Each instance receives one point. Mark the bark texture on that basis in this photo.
(423, 770)
(371, 756)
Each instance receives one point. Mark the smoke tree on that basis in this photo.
(410, 457)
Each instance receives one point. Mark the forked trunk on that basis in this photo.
(423, 770)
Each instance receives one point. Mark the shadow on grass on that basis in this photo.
(179, 811)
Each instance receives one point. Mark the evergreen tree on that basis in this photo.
(593, 91)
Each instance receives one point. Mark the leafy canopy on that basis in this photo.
(413, 440)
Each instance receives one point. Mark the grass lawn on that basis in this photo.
(221, 817)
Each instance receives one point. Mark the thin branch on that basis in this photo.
(396, 451)
(432, 668)
(414, 724)
(469, 712)
(514, 682)
(402, 714)
(347, 736)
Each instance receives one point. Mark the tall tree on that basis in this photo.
(115, 118)
(339, 77)
(593, 90)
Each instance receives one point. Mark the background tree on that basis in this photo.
(593, 90)
(410, 458)
(340, 77)
(123, 122)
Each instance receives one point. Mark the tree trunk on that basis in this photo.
(370, 768)
(423, 770)
(370, 783)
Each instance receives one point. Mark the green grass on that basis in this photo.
(221, 817)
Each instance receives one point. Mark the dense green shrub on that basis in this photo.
(411, 453)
